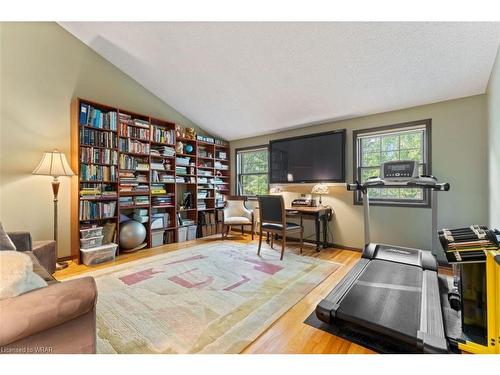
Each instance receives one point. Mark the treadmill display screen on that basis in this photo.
(399, 169)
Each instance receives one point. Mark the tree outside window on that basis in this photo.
(409, 141)
(252, 171)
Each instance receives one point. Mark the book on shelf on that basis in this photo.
(91, 155)
(141, 200)
(166, 200)
(158, 176)
(133, 163)
(127, 119)
(162, 151)
(141, 215)
(97, 118)
(162, 135)
(93, 137)
(91, 172)
(221, 155)
(96, 210)
(219, 165)
(133, 146)
(134, 132)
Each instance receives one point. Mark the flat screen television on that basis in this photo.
(308, 159)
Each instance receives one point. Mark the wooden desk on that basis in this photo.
(320, 214)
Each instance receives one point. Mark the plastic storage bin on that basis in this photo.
(88, 243)
(183, 162)
(99, 254)
(90, 232)
(157, 238)
(191, 232)
(182, 234)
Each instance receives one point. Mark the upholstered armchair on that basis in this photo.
(235, 213)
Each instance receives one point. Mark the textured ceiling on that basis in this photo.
(242, 79)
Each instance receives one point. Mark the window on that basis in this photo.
(252, 171)
(407, 141)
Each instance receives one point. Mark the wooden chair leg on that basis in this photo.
(253, 229)
(283, 244)
(223, 231)
(272, 240)
(260, 242)
(242, 231)
(301, 239)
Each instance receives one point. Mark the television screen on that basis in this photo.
(311, 158)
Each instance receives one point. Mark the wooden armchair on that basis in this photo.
(235, 213)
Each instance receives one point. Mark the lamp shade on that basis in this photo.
(320, 189)
(276, 190)
(53, 163)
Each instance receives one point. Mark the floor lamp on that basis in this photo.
(54, 164)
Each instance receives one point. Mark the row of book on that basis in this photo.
(138, 200)
(162, 135)
(97, 210)
(158, 189)
(98, 138)
(134, 132)
(91, 172)
(166, 151)
(157, 176)
(133, 182)
(162, 166)
(141, 215)
(128, 120)
(133, 163)
(96, 118)
(133, 146)
(95, 192)
(219, 165)
(164, 200)
(98, 155)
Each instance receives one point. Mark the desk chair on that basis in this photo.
(235, 213)
(273, 220)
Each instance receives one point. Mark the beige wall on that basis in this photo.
(493, 105)
(458, 156)
(42, 68)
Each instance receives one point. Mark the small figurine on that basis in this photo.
(178, 131)
(179, 147)
(190, 133)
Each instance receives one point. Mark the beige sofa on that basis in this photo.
(59, 318)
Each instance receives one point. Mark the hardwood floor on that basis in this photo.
(288, 334)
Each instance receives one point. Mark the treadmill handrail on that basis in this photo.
(424, 182)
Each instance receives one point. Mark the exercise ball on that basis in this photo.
(132, 234)
(189, 148)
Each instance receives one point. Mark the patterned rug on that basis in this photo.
(212, 298)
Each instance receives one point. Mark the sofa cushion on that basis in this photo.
(16, 274)
(39, 269)
(5, 241)
(237, 220)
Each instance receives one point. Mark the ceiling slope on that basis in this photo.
(237, 80)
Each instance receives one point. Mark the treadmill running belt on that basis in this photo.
(386, 296)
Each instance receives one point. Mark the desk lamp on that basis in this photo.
(320, 189)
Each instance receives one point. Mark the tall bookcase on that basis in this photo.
(132, 164)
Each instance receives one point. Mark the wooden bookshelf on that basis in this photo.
(141, 139)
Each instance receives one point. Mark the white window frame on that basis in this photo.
(358, 135)
(238, 153)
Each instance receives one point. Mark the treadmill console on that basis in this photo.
(402, 170)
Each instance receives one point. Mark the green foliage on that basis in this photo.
(378, 149)
(253, 169)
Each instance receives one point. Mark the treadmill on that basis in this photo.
(392, 294)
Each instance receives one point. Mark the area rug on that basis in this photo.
(212, 298)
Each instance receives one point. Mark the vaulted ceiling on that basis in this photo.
(242, 79)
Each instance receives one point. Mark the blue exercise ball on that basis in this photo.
(132, 234)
